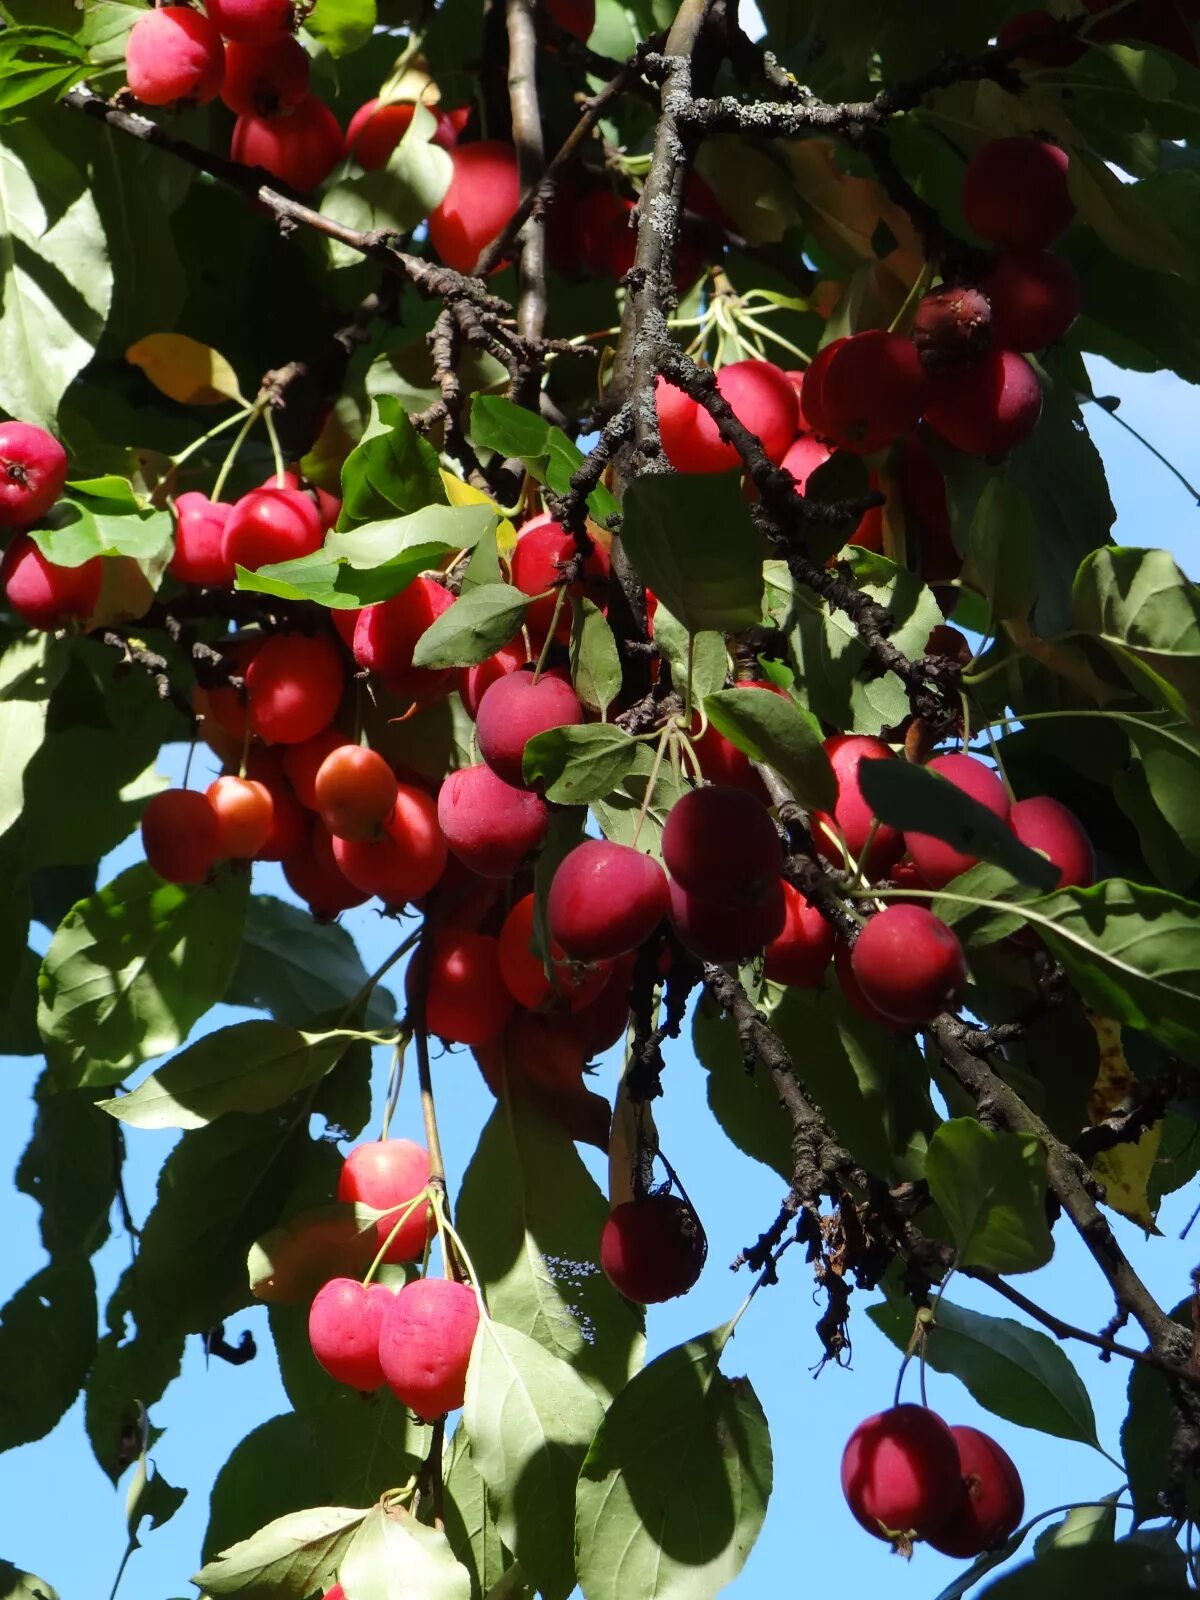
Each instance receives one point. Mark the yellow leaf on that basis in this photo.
(466, 494)
(185, 370)
(844, 212)
(1125, 1169)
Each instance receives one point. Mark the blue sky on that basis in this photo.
(63, 1520)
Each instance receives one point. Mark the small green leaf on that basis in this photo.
(1123, 1571)
(341, 25)
(1082, 1525)
(710, 660)
(395, 1557)
(474, 627)
(547, 453)
(274, 1470)
(18, 1585)
(916, 800)
(290, 1559)
(391, 469)
(692, 541)
(772, 729)
(595, 664)
(991, 1188)
(579, 764)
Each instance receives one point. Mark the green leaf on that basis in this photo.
(397, 196)
(1147, 615)
(274, 1470)
(675, 1486)
(531, 1216)
(128, 1374)
(1147, 1432)
(547, 453)
(1123, 1571)
(35, 61)
(579, 764)
(23, 697)
(69, 1168)
(1082, 1525)
(390, 469)
(710, 661)
(341, 25)
(251, 1066)
(47, 1341)
(914, 799)
(474, 627)
(470, 1527)
(80, 529)
(530, 1418)
(55, 275)
(745, 1104)
(395, 1557)
(290, 1263)
(595, 664)
(1011, 1370)
(131, 969)
(776, 731)
(1002, 550)
(18, 1585)
(619, 813)
(692, 541)
(991, 1188)
(298, 969)
(290, 1559)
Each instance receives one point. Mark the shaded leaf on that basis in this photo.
(547, 453)
(47, 1341)
(579, 764)
(470, 1527)
(991, 1188)
(274, 1470)
(692, 541)
(474, 627)
(776, 731)
(595, 664)
(395, 1557)
(1146, 613)
(185, 370)
(298, 969)
(290, 1263)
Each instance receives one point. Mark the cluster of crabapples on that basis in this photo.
(906, 1475)
(1166, 24)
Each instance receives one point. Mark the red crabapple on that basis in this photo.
(302, 762)
(800, 955)
(377, 127)
(329, 507)
(814, 382)
(245, 815)
(720, 844)
(851, 816)
(262, 80)
(605, 899)
(33, 471)
(542, 547)
(355, 791)
(45, 595)
(992, 1503)
(474, 681)
(251, 21)
(935, 859)
(301, 146)
(763, 400)
(574, 16)
(200, 525)
(901, 1474)
(466, 998)
(514, 710)
(804, 455)
(386, 635)
(1047, 825)
(313, 874)
(715, 931)
(294, 687)
(181, 835)
(597, 1026)
(852, 993)
(490, 826)
(425, 1345)
(952, 326)
(269, 525)
(408, 858)
(174, 54)
(1051, 52)
(908, 964)
(524, 974)
(870, 392)
(721, 761)
(485, 190)
(289, 821)
(1035, 299)
(344, 1323)
(387, 1174)
(653, 1249)
(987, 409)
(603, 235)
(1015, 193)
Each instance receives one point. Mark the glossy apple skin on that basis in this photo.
(986, 409)
(484, 191)
(300, 146)
(993, 1500)
(388, 1173)
(425, 1345)
(344, 1323)
(466, 998)
(718, 932)
(46, 596)
(515, 710)
(406, 860)
(33, 473)
(800, 954)
(936, 860)
(1015, 193)
(174, 54)
(908, 964)
(490, 826)
(851, 816)
(606, 899)
(720, 845)
(181, 835)
(653, 1249)
(900, 1473)
(1047, 825)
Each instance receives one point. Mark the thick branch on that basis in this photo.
(531, 159)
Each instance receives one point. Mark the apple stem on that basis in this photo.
(423, 1199)
(395, 1080)
(644, 808)
(221, 427)
(549, 639)
(920, 283)
(276, 450)
(252, 417)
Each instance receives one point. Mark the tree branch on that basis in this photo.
(531, 159)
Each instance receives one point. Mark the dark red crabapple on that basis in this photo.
(386, 635)
(1047, 825)
(803, 456)
(542, 546)
(848, 984)
(377, 127)
(245, 815)
(1015, 193)
(901, 1474)
(992, 1503)
(484, 191)
(301, 146)
(425, 1345)
(261, 80)
(200, 525)
(763, 400)
(251, 21)
(809, 394)
(605, 899)
(294, 687)
(952, 326)
(1035, 299)
(406, 860)
(387, 1174)
(720, 844)
(466, 998)
(800, 955)
(575, 16)
(174, 54)
(524, 974)
(934, 859)
(603, 233)
(181, 835)
(597, 1026)
(514, 710)
(289, 821)
(313, 874)
(269, 525)
(44, 595)
(1052, 52)
(302, 762)
(33, 470)
(355, 791)
(474, 682)
(851, 816)
(715, 931)
(870, 392)
(987, 409)
(908, 964)
(653, 1249)
(344, 1324)
(490, 826)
